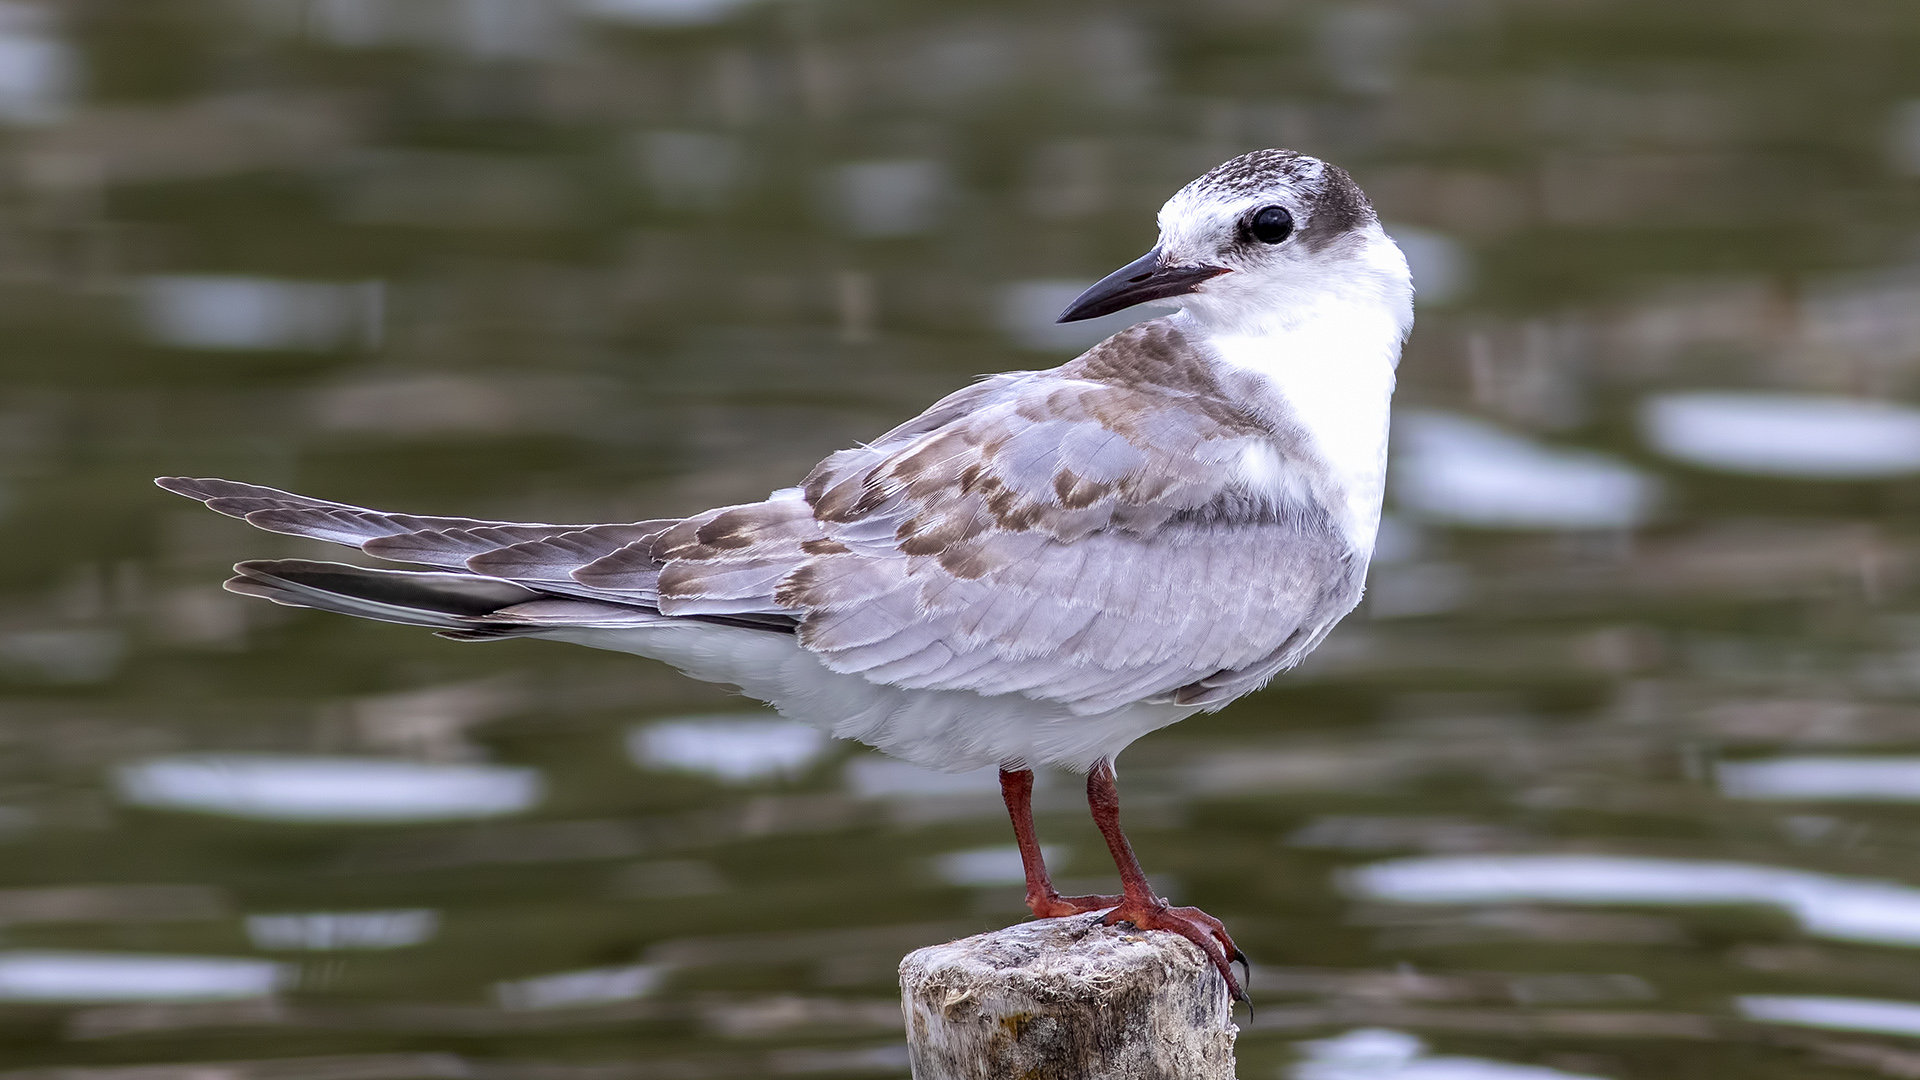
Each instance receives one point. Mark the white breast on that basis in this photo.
(1330, 375)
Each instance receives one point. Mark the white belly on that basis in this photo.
(948, 730)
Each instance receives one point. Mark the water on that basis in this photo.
(1613, 777)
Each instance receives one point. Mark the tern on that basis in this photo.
(1036, 571)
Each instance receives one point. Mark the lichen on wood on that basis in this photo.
(1067, 999)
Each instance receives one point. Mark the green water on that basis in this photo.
(538, 261)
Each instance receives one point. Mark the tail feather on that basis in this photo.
(466, 607)
(233, 494)
(355, 526)
(490, 578)
(412, 597)
(556, 557)
(449, 543)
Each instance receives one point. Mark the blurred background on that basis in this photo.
(1606, 779)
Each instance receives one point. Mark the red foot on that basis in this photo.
(1191, 923)
(1055, 906)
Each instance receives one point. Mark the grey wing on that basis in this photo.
(1072, 540)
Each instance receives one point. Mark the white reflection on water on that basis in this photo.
(662, 12)
(38, 72)
(1838, 1013)
(594, 986)
(1798, 435)
(1454, 469)
(1836, 779)
(1028, 311)
(1385, 1054)
(286, 787)
(998, 865)
(203, 311)
(732, 747)
(52, 976)
(1849, 909)
(1442, 267)
(328, 930)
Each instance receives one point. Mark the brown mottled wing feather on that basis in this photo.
(1077, 535)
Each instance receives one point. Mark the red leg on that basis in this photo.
(1016, 787)
(1138, 905)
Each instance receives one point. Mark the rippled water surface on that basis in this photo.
(1614, 775)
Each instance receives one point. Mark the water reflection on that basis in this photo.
(567, 989)
(1851, 909)
(991, 866)
(733, 748)
(324, 789)
(1786, 435)
(1382, 1054)
(49, 976)
(1838, 1013)
(329, 930)
(1454, 469)
(662, 12)
(39, 73)
(207, 312)
(1841, 779)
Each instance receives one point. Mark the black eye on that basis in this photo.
(1271, 225)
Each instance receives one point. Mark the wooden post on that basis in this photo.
(1067, 999)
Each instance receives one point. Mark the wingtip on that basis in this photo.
(193, 487)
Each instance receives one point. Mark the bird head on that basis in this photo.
(1261, 238)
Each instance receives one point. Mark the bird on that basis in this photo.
(1041, 568)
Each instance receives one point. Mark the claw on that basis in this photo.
(1196, 926)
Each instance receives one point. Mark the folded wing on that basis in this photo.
(1110, 531)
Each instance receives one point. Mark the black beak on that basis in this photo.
(1145, 278)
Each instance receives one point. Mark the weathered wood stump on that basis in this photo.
(1067, 999)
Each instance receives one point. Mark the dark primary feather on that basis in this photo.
(442, 601)
(1079, 535)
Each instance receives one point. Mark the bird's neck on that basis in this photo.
(1324, 371)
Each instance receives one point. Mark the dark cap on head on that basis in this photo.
(1336, 203)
